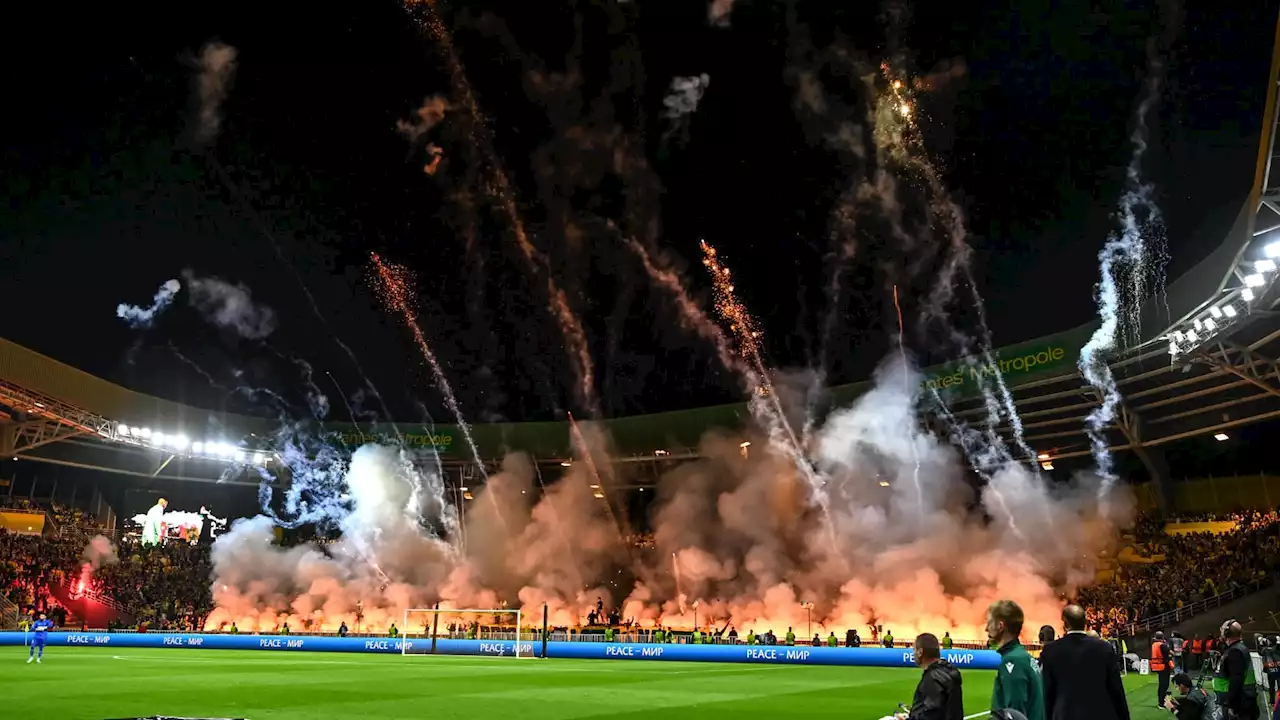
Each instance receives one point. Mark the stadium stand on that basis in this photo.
(1166, 573)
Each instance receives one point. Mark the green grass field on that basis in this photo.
(90, 683)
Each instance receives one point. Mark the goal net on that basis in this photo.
(498, 632)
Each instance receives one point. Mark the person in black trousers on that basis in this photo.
(1081, 675)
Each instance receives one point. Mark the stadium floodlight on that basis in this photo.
(122, 430)
(1272, 250)
(1046, 466)
(178, 442)
(1264, 266)
(1178, 336)
(501, 629)
(143, 433)
(565, 463)
(1210, 325)
(1221, 437)
(1229, 310)
(1247, 295)
(1215, 311)
(1173, 347)
(745, 444)
(1198, 324)
(1254, 280)
(884, 483)
(1192, 337)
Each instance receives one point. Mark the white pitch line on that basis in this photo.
(984, 713)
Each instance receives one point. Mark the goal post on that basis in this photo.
(500, 631)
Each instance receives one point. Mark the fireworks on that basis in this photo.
(497, 186)
(1130, 261)
(730, 310)
(395, 287)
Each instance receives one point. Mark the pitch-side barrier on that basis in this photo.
(769, 654)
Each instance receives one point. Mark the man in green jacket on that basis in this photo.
(1018, 685)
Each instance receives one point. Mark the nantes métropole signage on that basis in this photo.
(959, 376)
(441, 440)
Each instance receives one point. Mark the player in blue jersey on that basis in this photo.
(40, 628)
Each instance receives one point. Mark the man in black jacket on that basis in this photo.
(1235, 682)
(938, 696)
(1081, 675)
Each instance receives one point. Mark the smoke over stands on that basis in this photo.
(894, 545)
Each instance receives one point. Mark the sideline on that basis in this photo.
(453, 660)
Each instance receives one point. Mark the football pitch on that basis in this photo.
(93, 684)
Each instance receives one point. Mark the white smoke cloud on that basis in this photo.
(217, 66)
(684, 95)
(229, 306)
(140, 317)
(99, 552)
(897, 542)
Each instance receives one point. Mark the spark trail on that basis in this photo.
(898, 142)
(265, 230)
(395, 289)
(1126, 269)
(498, 187)
(764, 403)
(910, 392)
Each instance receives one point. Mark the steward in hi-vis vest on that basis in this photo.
(1235, 682)
(1162, 665)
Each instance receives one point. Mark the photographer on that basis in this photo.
(1193, 703)
(1270, 653)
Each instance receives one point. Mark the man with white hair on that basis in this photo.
(153, 529)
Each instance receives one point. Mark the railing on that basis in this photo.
(86, 531)
(9, 614)
(1173, 617)
(70, 586)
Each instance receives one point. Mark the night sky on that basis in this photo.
(1028, 118)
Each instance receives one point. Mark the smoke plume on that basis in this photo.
(230, 306)
(426, 117)
(140, 317)
(217, 70)
(718, 12)
(99, 552)
(902, 540)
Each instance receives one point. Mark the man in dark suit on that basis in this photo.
(1081, 675)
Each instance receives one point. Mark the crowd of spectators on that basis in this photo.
(164, 587)
(1180, 569)
(168, 586)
